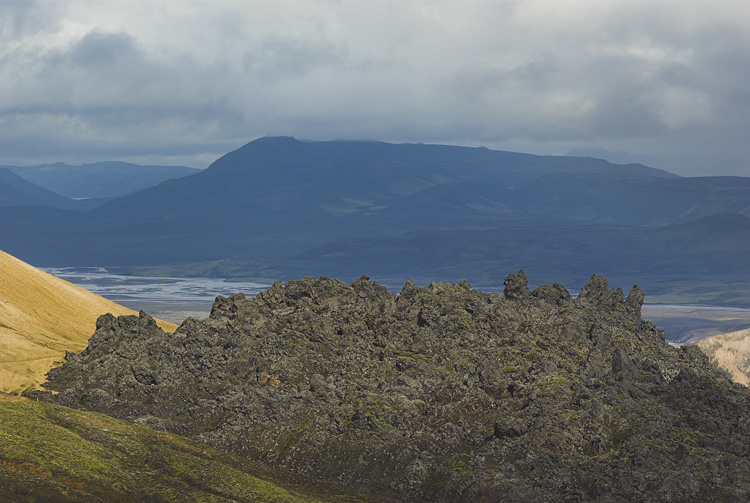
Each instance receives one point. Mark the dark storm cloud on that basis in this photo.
(104, 96)
(663, 80)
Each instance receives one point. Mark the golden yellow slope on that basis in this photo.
(731, 352)
(42, 316)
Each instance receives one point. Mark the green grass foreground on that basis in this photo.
(54, 454)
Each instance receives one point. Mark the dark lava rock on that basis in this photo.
(516, 286)
(441, 393)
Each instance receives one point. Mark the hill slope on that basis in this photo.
(105, 179)
(42, 318)
(441, 393)
(275, 196)
(731, 352)
(55, 454)
(17, 191)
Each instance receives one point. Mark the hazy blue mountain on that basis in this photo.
(100, 180)
(348, 180)
(619, 157)
(379, 187)
(17, 191)
(346, 208)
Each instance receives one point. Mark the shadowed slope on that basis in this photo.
(101, 180)
(42, 318)
(16, 191)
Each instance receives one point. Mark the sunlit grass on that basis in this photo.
(42, 317)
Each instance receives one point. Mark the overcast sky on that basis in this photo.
(183, 82)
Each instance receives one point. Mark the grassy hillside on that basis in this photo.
(42, 317)
(55, 454)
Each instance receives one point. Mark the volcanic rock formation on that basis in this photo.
(440, 393)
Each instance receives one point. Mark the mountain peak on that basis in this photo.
(276, 139)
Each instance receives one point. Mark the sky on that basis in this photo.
(665, 83)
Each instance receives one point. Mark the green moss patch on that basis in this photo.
(52, 453)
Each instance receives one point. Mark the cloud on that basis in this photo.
(663, 80)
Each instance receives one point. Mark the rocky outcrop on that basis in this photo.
(440, 393)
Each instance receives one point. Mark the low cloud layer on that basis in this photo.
(184, 82)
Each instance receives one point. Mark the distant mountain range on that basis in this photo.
(106, 179)
(281, 207)
(17, 191)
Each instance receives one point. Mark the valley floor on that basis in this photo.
(175, 299)
(688, 324)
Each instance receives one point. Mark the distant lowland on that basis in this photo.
(280, 208)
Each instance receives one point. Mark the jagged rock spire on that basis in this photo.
(516, 286)
(635, 299)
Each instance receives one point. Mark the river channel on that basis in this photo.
(174, 299)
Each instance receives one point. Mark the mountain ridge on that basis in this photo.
(17, 191)
(278, 201)
(100, 180)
